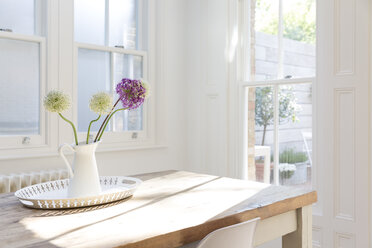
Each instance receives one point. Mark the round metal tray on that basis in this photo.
(53, 194)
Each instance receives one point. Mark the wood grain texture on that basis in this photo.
(169, 209)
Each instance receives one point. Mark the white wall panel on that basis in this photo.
(344, 240)
(344, 29)
(344, 154)
(343, 108)
(317, 237)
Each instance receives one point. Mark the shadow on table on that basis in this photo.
(13, 233)
(253, 202)
(82, 210)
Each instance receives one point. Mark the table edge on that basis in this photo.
(189, 235)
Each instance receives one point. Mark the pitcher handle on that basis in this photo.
(60, 151)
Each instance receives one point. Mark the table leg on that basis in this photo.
(302, 237)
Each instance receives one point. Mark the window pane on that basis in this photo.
(19, 87)
(90, 21)
(123, 26)
(296, 57)
(129, 120)
(265, 40)
(18, 15)
(128, 66)
(295, 135)
(260, 132)
(299, 38)
(93, 77)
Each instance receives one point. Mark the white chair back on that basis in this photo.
(235, 236)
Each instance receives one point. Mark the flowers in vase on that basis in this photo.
(100, 103)
(131, 93)
(58, 102)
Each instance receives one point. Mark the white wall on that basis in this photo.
(170, 114)
(206, 47)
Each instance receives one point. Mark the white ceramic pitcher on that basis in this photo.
(84, 178)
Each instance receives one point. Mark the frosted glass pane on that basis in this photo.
(128, 66)
(19, 87)
(129, 120)
(90, 21)
(17, 15)
(123, 27)
(93, 76)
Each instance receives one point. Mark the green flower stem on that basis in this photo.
(90, 124)
(73, 127)
(103, 130)
(104, 122)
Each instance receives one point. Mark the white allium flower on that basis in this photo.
(146, 85)
(100, 103)
(57, 101)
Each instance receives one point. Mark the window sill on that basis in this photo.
(31, 155)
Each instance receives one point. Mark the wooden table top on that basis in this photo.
(169, 209)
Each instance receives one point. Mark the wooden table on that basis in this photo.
(169, 209)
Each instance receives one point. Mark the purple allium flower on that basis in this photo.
(132, 93)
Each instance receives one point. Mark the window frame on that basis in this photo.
(124, 139)
(30, 140)
(244, 81)
(59, 71)
(114, 137)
